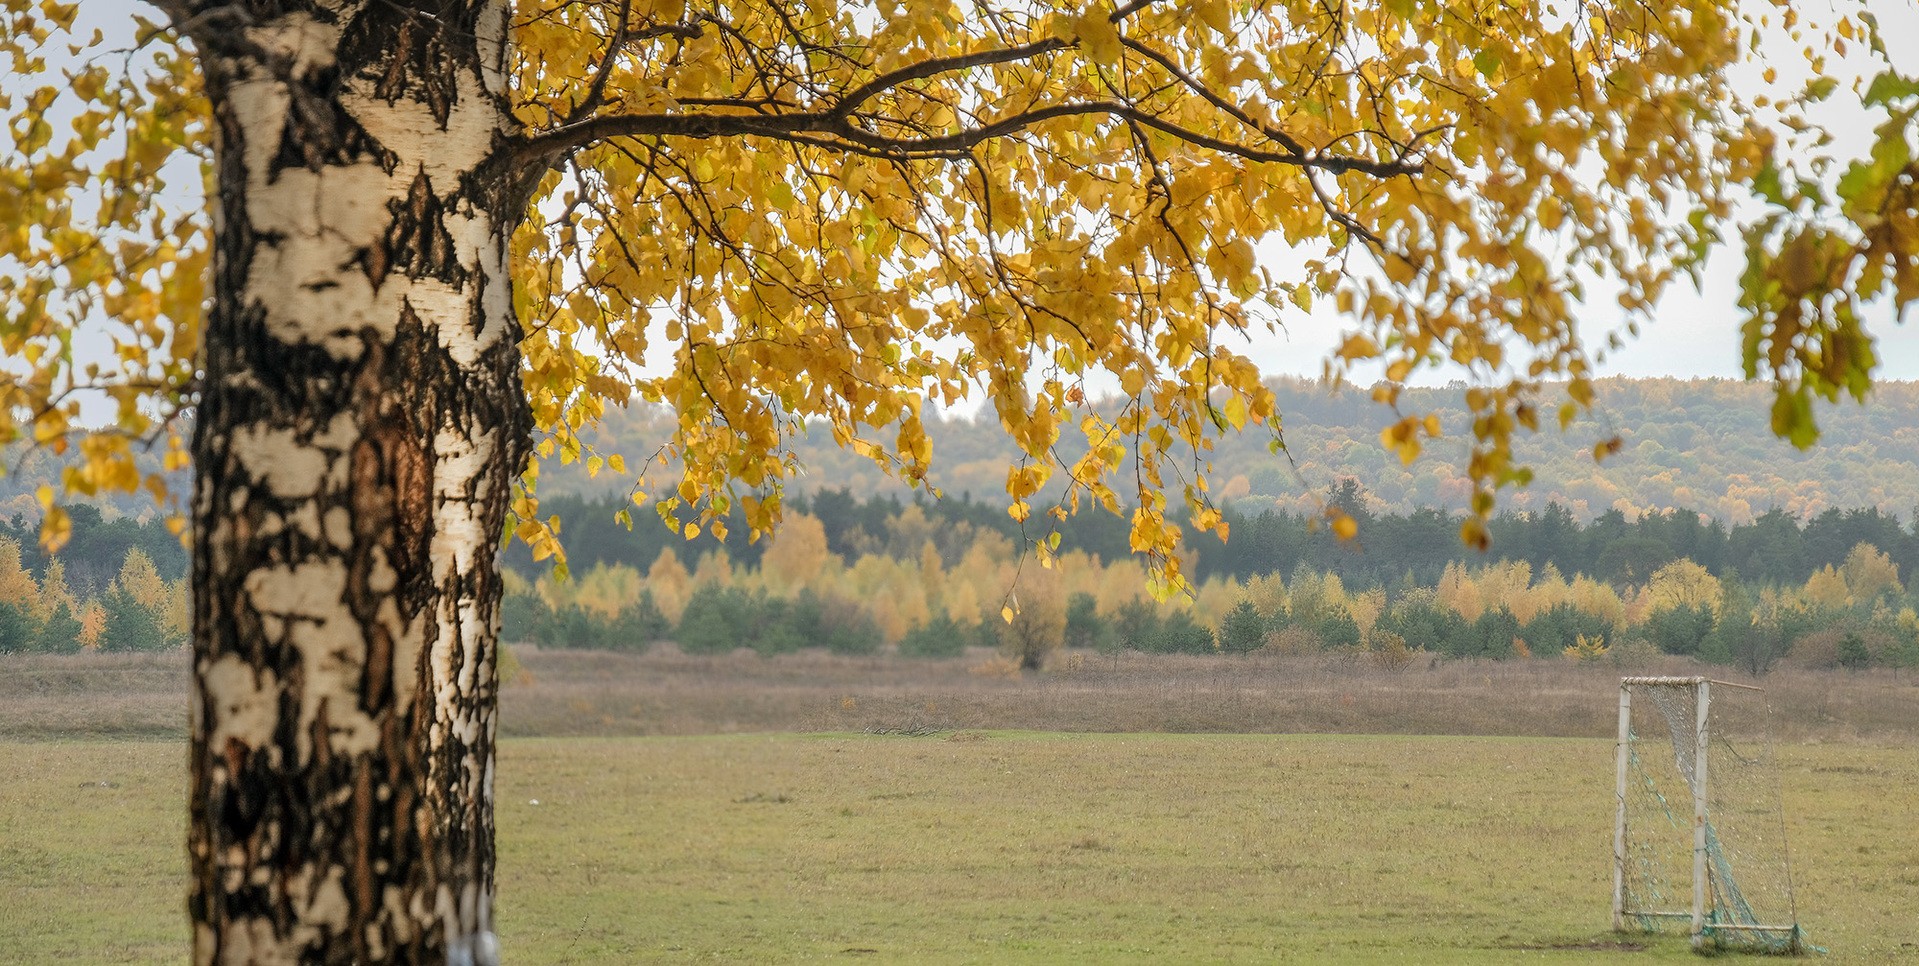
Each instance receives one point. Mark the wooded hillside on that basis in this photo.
(1703, 445)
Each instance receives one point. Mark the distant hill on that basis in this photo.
(1703, 445)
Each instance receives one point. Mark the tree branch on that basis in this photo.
(839, 132)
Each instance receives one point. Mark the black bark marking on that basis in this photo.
(413, 51)
(416, 242)
(319, 132)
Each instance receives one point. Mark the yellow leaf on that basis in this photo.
(1345, 526)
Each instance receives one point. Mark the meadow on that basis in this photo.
(881, 811)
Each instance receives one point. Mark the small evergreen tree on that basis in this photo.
(791, 626)
(18, 632)
(848, 628)
(1491, 635)
(1561, 626)
(131, 625)
(1335, 627)
(1682, 629)
(61, 633)
(1904, 653)
(521, 614)
(1242, 630)
(1853, 654)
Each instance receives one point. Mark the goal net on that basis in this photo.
(1699, 842)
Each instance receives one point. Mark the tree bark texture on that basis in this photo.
(360, 426)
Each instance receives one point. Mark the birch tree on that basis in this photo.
(440, 237)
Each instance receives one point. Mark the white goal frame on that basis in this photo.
(1701, 884)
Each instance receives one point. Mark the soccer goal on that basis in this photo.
(1700, 833)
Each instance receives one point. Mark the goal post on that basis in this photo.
(1697, 804)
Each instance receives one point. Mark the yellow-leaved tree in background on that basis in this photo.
(441, 236)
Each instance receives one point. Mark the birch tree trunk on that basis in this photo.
(359, 430)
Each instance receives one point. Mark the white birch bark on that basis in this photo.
(358, 432)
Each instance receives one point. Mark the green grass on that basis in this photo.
(1001, 847)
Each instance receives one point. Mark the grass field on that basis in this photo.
(996, 846)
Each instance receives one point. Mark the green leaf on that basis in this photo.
(1890, 86)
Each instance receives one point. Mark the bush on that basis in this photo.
(1136, 625)
(521, 615)
(940, 637)
(1085, 629)
(1180, 634)
(1564, 626)
(846, 627)
(1336, 628)
(716, 620)
(789, 626)
(1490, 636)
(1389, 651)
(1424, 625)
(1682, 629)
(637, 626)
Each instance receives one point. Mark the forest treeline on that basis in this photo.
(933, 579)
(119, 584)
(135, 608)
(1391, 548)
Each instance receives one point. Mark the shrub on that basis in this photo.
(1425, 625)
(846, 627)
(1085, 629)
(1180, 634)
(940, 637)
(1136, 625)
(1563, 626)
(1336, 628)
(638, 625)
(789, 626)
(1492, 635)
(1389, 651)
(1682, 629)
(716, 620)
(521, 614)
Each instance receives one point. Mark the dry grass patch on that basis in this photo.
(587, 693)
